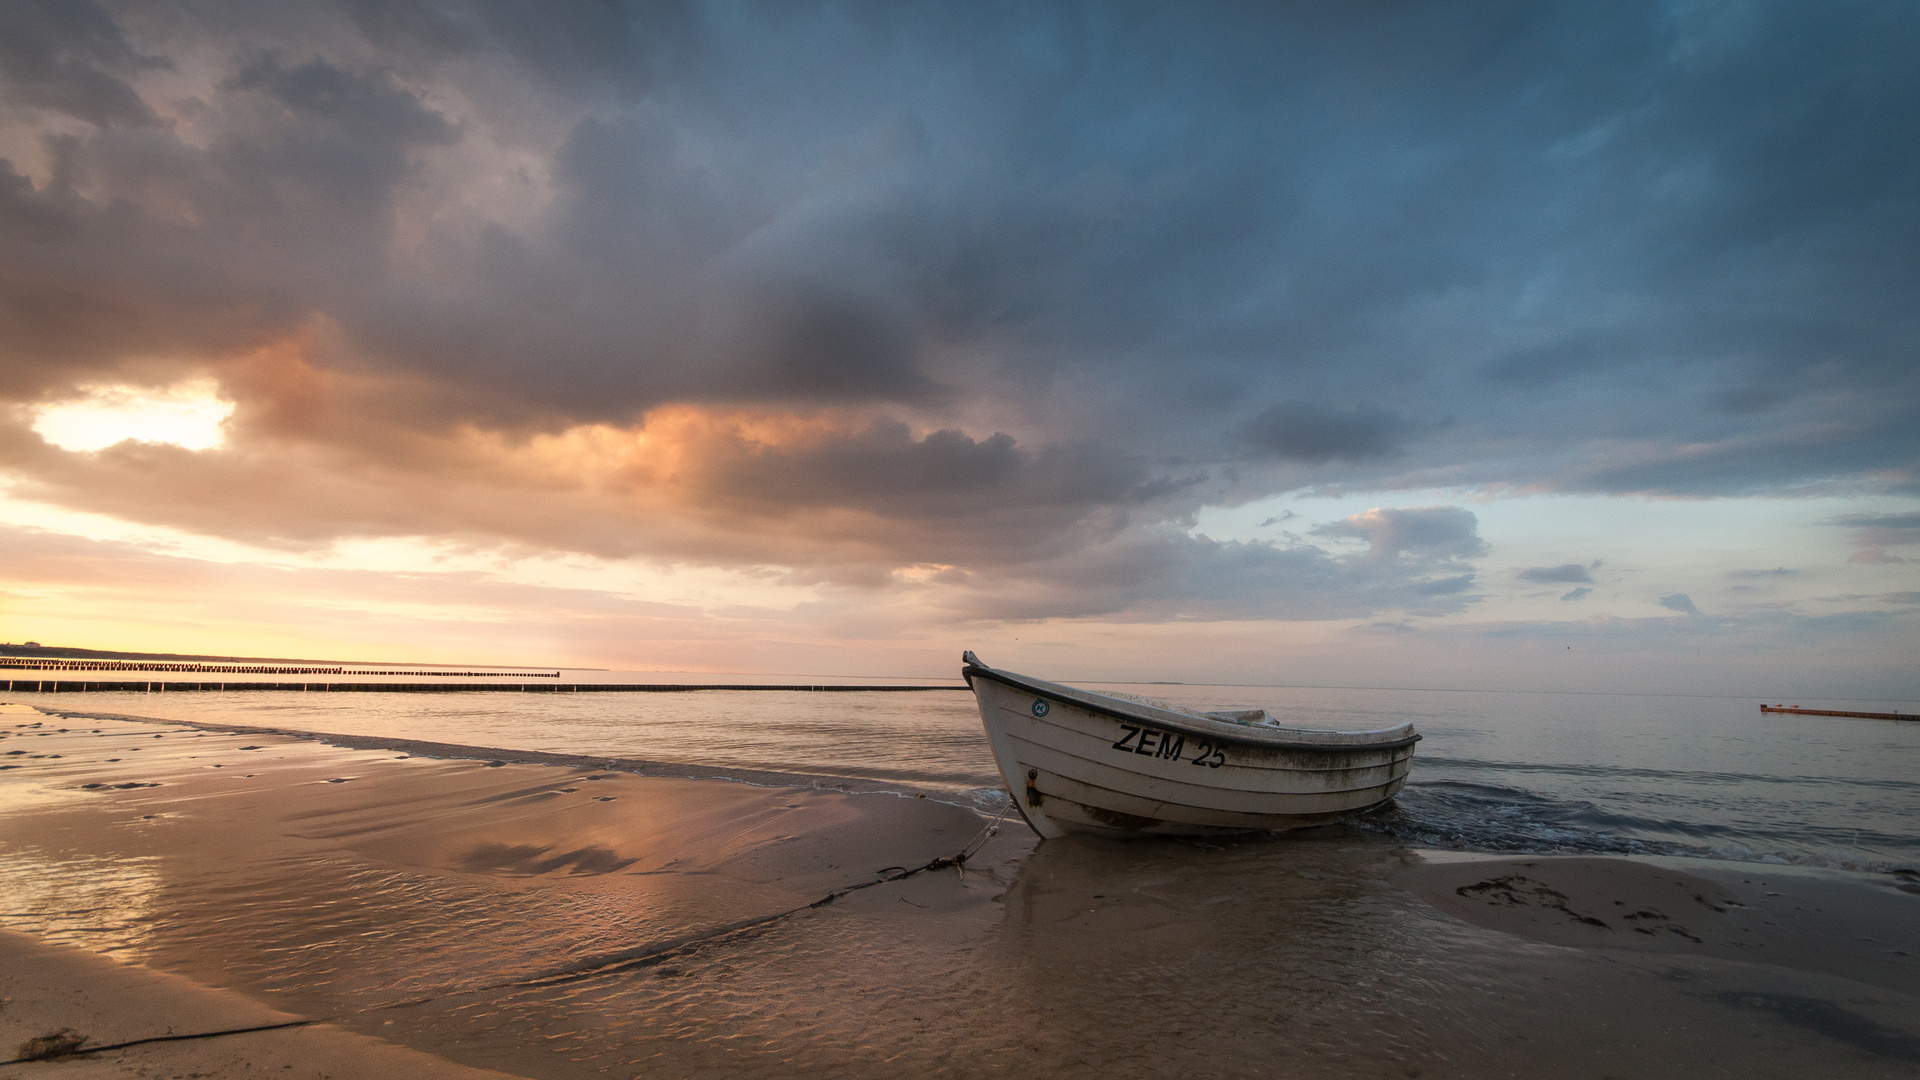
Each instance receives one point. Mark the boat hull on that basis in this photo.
(1075, 764)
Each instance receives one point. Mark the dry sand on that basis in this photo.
(554, 921)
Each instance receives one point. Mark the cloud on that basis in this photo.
(712, 212)
(1569, 573)
(1316, 434)
(72, 57)
(1881, 530)
(886, 470)
(1680, 602)
(1576, 594)
(1446, 586)
(139, 595)
(1873, 557)
(1874, 533)
(1884, 528)
(1169, 575)
(1444, 532)
(961, 528)
(841, 291)
(1662, 634)
(1413, 566)
(1755, 575)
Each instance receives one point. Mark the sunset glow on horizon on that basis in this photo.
(1219, 345)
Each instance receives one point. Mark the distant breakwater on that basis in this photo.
(1795, 710)
(250, 669)
(75, 686)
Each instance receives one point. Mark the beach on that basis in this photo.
(433, 909)
(506, 511)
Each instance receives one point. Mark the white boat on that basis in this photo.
(1081, 761)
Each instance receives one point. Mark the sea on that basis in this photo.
(1542, 773)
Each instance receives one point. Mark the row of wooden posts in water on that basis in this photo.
(1798, 711)
(70, 686)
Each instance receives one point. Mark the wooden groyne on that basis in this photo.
(1798, 711)
(75, 686)
(255, 669)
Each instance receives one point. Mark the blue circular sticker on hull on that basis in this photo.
(1039, 707)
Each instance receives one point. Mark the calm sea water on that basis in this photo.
(1503, 772)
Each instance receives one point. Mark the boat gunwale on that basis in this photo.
(1219, 730)
(1322, 761)
(1201, 796)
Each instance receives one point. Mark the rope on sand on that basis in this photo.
(66, 1043)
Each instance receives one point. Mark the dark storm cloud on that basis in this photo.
(1073, 270)
(347, 107)
(1298, 431)
(70, 56)
(1536, 367)
(286, 216)
(1348, 208)
(884, 469)
(1568, 574)
(580, 45)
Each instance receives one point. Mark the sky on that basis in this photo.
(1498, 345)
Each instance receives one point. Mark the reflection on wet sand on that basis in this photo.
(555, 922)
(1161, 958)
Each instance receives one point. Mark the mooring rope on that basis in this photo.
(986, 834)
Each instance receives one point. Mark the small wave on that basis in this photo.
(1461, 815)
(1821, 860)
(1666, 775)
(985, 800)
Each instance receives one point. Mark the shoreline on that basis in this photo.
(463, 752)
(842, 782)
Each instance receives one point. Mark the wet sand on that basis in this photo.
(101, 1018)
(548, 920)
(1856, 926)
